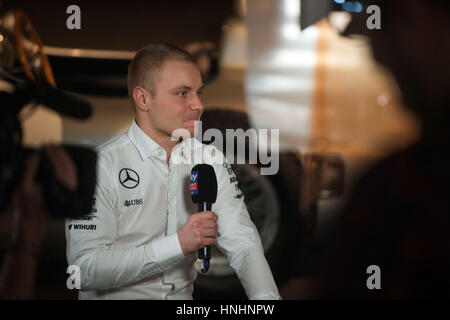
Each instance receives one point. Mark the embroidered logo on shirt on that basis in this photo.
(88, 217)
(134, 202)
(93, 208)
(128, 178)
(82, 227)
(233, 180)
(193, 185)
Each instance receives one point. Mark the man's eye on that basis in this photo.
(181, 93)
(199, 92)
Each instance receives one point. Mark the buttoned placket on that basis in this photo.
(167, 288)
(176, 153)
(165, 278)
(159, 154)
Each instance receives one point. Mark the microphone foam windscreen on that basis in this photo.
(203, 184)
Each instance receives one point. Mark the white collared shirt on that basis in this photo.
(128, 248)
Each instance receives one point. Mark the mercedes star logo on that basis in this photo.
(128, 178)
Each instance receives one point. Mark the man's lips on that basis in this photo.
(195, 117)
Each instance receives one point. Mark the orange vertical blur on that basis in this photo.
(318, 139)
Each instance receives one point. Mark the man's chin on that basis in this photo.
(191, 127)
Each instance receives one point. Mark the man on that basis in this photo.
(141, 240)
(395, 232)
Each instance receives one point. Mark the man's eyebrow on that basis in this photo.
(186, 88)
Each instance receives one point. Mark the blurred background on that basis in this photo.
(338, 112)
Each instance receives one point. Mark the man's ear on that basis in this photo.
(142, 99)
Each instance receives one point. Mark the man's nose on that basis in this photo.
(196, 103)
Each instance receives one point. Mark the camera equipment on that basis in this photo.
(26, 77)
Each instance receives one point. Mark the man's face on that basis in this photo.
(176, 104)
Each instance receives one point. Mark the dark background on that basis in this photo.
(127, 24)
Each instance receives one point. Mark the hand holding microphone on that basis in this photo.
(200, 231)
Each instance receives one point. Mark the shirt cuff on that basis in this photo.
(166, 251)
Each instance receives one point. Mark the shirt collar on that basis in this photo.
(147, 147)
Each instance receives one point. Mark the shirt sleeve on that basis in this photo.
(239, 239)
(90, 244)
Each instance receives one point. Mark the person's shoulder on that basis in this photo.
(113, 149)
(113, 145)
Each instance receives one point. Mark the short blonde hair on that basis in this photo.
(147, 62)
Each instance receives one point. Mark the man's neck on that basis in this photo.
(162, 139)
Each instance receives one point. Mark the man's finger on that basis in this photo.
(208, 224)
(207, 215)
(209, 241)
(210, 233)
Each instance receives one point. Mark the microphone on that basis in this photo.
(203, 189)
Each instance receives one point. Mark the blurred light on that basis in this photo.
(1, 38)
(291, 8)
(76, 52)
(279, 84)
(339, 20)
(291, 58)
(6, 86)
(275, 113)
(339, 1)
(242, 7)
(352, 6)
(37, 63)
(290, 28)
(383, 100)
(88, 53)
(291, 31)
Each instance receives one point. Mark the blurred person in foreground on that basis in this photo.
(398, 216)
(23, 224)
